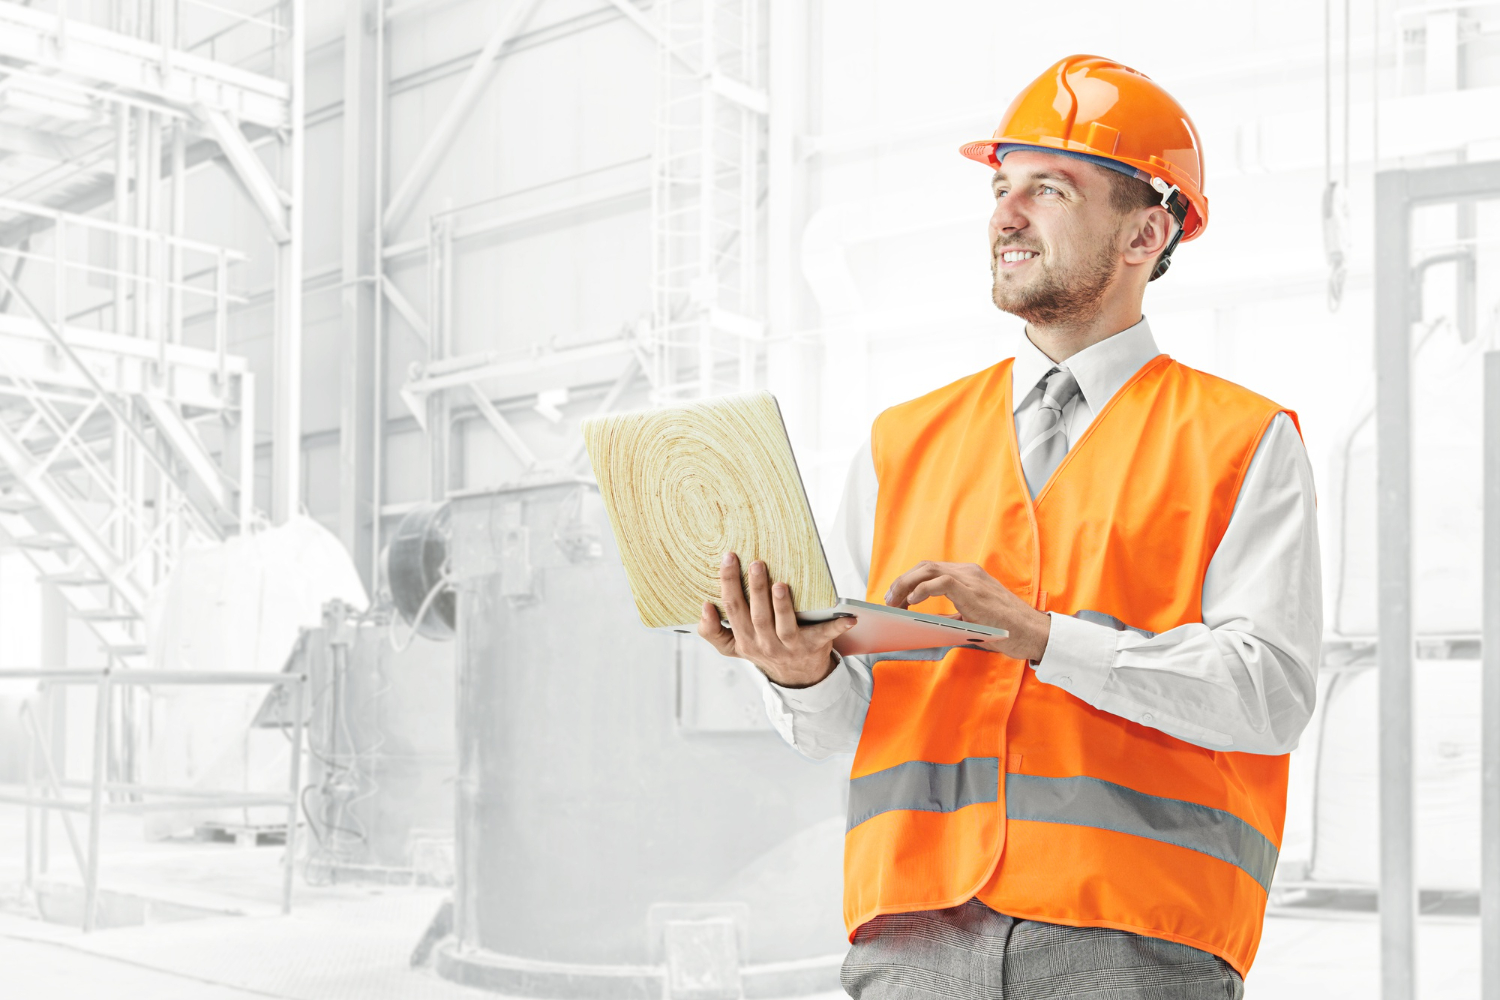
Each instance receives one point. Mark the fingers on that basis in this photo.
(786, 613)
(899, 596)
(710, 628)
(826, 632)
(758, 588)
(733, 595)
(938, 586)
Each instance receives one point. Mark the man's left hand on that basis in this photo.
(978, 598)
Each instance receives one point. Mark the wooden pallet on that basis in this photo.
(243, 834)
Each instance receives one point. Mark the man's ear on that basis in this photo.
(1149, 235)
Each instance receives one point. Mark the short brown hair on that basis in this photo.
(1126, 194)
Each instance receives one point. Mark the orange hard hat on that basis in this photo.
(1103, 111)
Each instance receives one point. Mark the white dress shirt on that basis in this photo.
(1244, 679)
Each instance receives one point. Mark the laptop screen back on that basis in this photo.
(683, 485)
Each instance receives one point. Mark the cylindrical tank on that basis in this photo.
(626, 826)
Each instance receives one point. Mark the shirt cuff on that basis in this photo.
(817, 697)
(1079, 657)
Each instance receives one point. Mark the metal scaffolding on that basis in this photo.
(706, 200)
(707, 191)
(127, 424)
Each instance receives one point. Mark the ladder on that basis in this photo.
(708, 184)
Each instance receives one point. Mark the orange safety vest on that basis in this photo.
(1094, 820)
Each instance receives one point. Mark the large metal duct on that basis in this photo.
(627, 825)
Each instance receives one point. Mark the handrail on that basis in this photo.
(148, 677)
(107, 678)
(121, 228)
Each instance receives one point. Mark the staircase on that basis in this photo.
(115, 454)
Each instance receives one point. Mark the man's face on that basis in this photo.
(1053, 237)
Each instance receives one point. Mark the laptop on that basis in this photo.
(685, 484)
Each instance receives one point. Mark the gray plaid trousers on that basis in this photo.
(970, 951)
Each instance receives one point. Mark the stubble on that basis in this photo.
(1059, 294)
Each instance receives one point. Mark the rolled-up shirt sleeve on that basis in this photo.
(1245, 678)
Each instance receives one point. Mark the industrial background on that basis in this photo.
(319, 676)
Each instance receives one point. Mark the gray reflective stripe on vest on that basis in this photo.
(1083, 801)
(922, 786)
(1100, 618)
(928, 653)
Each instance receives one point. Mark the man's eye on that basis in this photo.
(1000, 194)
(1047, 189)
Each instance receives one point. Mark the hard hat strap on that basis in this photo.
(1176, 204)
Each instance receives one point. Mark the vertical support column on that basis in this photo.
(439, 410)
(121, 214)
(786, 213)
(155, 271)
(360, 294)
(54, 656)
(1489, 824)
(1398, 889)
(298, 703)
(179, 221)
(140, 209)
(1466, 272)
(246, 451)
(31, 737)
(472, 597)
(103, 737)
(708, 188)
(377, 401)
(286, 443)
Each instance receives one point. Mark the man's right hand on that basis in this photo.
(763, 628)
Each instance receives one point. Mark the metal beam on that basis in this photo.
(403, 306)
(623, 197)
(286, 416)
(485, 368)
(133, 68)
(58, 148)
(101, 190)
(264, 192)
(463, 102)
(1398, 888)
(611, 399)
(1397, 192)
(503, 428)
(66, 349)
(357, 428)
(1489, 824)
(638, 18)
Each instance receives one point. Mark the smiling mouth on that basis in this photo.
(1017, 256)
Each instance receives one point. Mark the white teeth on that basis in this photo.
(1011, 256)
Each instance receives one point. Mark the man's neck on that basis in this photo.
(1060, 341)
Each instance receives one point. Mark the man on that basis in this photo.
(1093, 806)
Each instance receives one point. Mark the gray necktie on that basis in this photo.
(1044, 439)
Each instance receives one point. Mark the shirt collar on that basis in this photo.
(1101, 369)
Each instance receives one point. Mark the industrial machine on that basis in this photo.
(381, 727)
(628, 824)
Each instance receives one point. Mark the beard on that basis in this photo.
(1056, 295)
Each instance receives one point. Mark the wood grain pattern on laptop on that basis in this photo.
(684, 485)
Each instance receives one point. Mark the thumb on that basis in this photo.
(829, 631)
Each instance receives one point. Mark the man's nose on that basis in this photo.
(1006, 219)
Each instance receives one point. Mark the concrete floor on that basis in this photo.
(346, 942)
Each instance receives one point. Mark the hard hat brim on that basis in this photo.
(983, 151)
